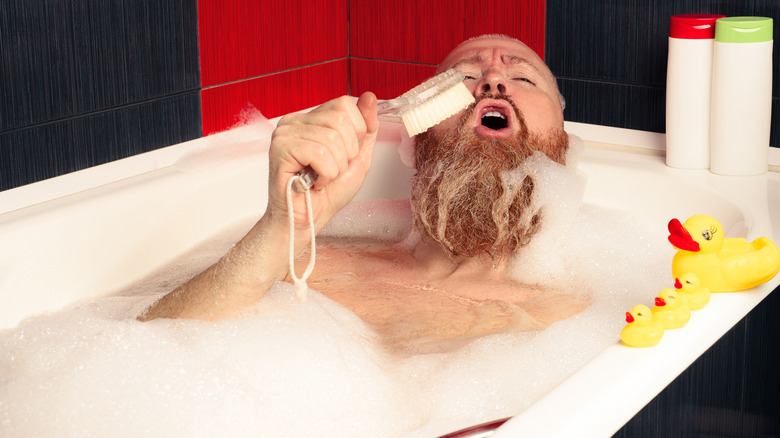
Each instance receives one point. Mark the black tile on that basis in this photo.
(774, 137)
(705, 400)
(762, 380)
(61, 58)
(608, 53)
(771, 8)
(618, 40)
(614, 104)
(51, 149)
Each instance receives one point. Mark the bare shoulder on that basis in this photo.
(359, 256)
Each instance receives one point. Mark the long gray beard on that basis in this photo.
(471, 193)
(470, 201)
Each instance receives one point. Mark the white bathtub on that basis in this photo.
(97, 231)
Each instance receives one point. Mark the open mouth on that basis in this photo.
(494, 120)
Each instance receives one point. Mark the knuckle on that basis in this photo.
(332, 136)
(339, 119)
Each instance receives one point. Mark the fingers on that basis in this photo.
(327, 138)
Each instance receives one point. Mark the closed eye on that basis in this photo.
(523, 79)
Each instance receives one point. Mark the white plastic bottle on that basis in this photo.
(741, 95)
(688, 90)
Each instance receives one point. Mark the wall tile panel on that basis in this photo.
(47, 150)
(771, 8)
(425, 31)
(61, 58)
(273, 95)
(610, 104)
(246, 38)
(620, 41)
(386, 79)
(610, 56)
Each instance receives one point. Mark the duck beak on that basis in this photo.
(677, 283)
(629, 317)
(680, 238)
(660, 302)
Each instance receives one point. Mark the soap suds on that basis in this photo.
(291, 368)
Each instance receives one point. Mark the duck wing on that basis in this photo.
(754, 264)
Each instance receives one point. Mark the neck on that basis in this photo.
(439, 264)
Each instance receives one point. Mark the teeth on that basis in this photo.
(494, 114)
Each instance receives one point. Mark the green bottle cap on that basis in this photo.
(743, 30)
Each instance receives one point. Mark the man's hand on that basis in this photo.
(337, 140)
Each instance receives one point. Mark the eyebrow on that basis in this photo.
(506, 59)
(473, 59)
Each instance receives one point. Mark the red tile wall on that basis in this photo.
(273, 95)
(417, 33)
(244, 41)
(284, 55)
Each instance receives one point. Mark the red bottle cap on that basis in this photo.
(693, 26)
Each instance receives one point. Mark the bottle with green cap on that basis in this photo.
(741, 95)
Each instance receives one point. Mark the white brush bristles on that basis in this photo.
(419, 118)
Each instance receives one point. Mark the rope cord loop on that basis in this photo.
(301, 288)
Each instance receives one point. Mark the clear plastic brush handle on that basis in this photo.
(420, 94)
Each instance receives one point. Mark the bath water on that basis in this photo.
(292, 368)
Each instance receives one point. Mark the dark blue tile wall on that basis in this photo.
(71, 68)
(732, 390)
(55, 148)
(610, 56)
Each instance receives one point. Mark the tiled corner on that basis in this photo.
(273, 95)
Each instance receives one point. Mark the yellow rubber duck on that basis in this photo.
(722, 264)
(671, 310)
(641, 330)
(690, 287)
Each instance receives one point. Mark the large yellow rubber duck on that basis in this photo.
(671, 310)
(722, 264)
(690, 288)
(641, 330)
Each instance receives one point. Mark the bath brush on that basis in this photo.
(420, 108)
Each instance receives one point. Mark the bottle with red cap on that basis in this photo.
(688, 90)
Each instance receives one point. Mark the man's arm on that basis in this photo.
(337, 141)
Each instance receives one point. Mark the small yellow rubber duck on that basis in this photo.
(722, 264)
(671, 310)
(690, 287)
(641, 330)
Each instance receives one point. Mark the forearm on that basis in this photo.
(237, 281)
(337, 141)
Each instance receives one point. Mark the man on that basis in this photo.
(452, 283)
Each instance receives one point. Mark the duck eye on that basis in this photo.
(706, 234)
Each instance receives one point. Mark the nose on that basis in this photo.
(492, 82)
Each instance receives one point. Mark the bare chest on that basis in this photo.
(415, 308)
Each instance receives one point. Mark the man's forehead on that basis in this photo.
(471, 49)
(512, 51)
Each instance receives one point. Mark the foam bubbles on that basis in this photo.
(291, 368)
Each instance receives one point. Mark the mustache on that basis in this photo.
(495, 96)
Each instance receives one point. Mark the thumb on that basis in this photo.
(367, 106)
